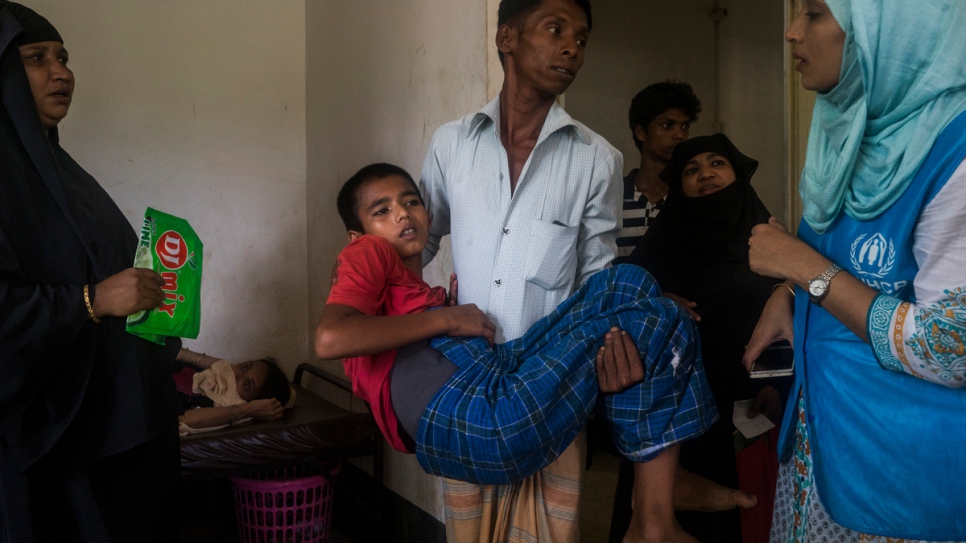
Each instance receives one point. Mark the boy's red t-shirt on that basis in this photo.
(372, 279)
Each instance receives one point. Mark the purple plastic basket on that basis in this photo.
(283, 506)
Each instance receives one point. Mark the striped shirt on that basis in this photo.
(639, 214)
(519, 255)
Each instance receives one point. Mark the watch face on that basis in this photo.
(816, 287)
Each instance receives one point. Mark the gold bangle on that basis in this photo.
(87, 302)
(774, 288)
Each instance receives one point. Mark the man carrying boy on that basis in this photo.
(530, 197)
(496, 414)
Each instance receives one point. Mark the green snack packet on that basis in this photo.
(169, 246)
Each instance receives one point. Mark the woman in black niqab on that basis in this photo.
(700, 252)
(706, 233)
(88, 435)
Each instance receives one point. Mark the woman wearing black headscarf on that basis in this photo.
(700, 252)
(88, 438)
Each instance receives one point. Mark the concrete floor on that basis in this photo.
(595, 510)
(598, 498)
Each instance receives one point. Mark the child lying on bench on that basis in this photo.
(215, 393)
(495, 414)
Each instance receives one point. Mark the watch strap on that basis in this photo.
(826, 276)
(830, 272)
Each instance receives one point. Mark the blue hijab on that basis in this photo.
(903, 79)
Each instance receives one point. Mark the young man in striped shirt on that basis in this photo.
(660, 117)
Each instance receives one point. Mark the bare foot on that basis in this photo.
(693, 492)
(653, 502)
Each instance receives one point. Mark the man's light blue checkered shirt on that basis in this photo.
(518, 256)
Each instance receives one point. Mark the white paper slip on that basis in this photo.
(750, 427)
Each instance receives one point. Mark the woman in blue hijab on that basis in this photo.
(872, 439)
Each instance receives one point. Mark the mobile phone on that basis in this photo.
(777, 360)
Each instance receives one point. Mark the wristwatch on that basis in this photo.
(818, 287)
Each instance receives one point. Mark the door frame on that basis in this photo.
(798, 118)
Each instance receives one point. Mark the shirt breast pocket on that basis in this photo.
(551, 254)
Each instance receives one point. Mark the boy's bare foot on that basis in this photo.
(654, 485)
(693, 492)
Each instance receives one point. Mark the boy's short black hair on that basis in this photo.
(348, 199)
(658, 98)
(276, 382)
(515, 13)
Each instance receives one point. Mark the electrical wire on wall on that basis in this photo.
(717, 15)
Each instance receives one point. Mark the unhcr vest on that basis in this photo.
(888, 449)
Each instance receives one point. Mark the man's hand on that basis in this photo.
(453, 298)
(127, 292)
(619, 365)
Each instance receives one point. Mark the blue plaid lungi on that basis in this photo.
(512, 409)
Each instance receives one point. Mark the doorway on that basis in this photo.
(731, 51)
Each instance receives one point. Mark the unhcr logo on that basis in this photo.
(873, 256)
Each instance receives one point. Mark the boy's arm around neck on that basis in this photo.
(344, 332)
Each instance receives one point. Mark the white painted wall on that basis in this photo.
(751, 93)
(637, 43)
(634, 44)
(381, 77)
(198, 109)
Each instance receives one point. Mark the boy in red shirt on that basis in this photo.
(495, 414)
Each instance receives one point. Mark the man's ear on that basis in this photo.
(640, 133)
(505, 37)
(355, 234)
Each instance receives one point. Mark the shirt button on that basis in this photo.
(501, 177)
(506, 230)
(497, 282)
